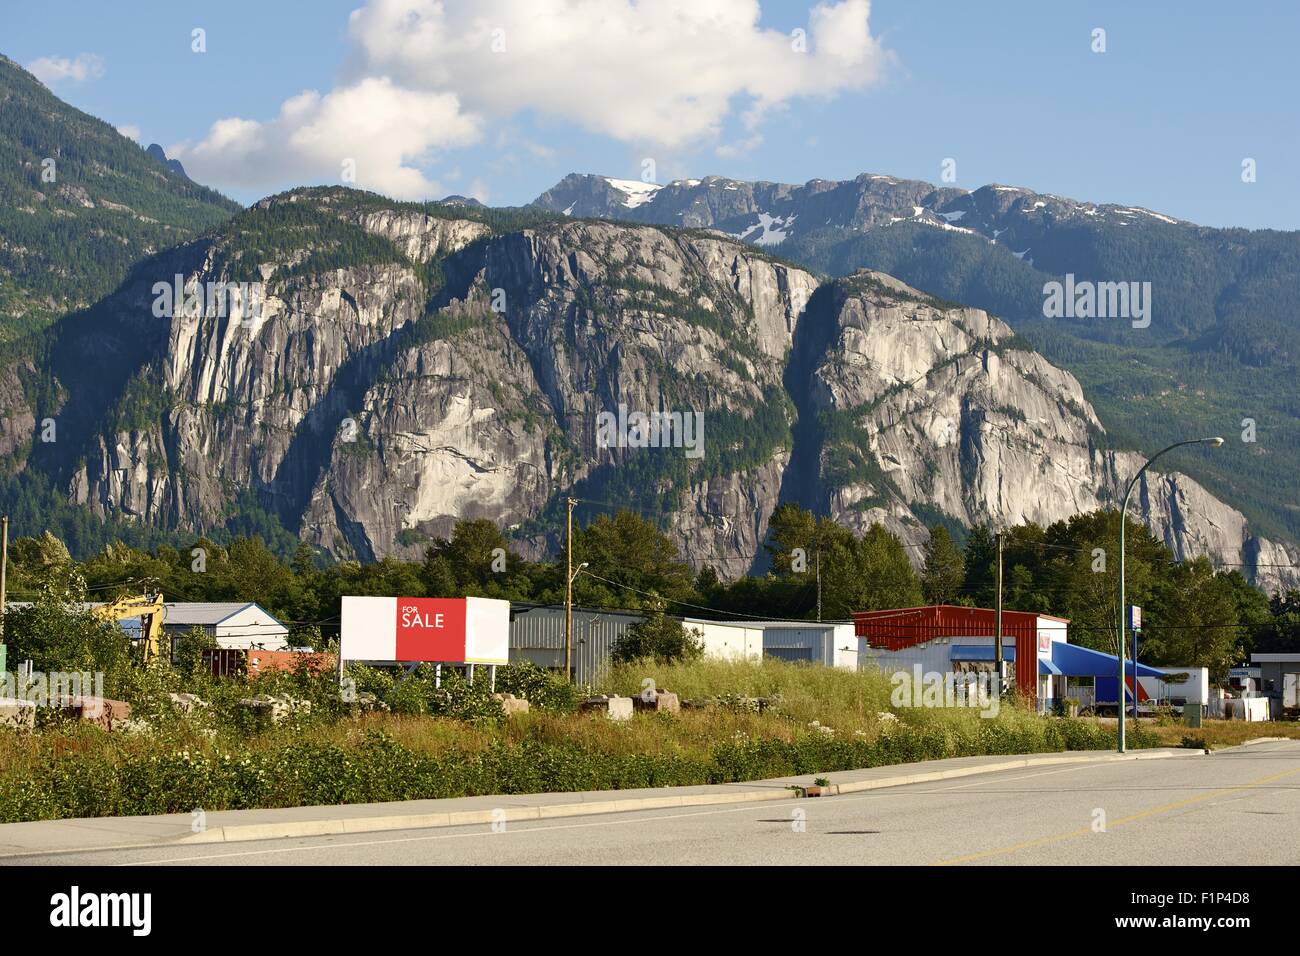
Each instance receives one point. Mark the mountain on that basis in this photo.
(157, 152)
(415, 364)
(79, 205)
(1219, 355)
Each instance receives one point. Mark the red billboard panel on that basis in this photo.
(430, 629)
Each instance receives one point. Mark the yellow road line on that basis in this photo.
(1085, 831)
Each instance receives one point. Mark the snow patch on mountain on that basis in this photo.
(770, 231)
(1147, 212)
(636, 193)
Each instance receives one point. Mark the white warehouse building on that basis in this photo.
(832, 643)
(232, 624)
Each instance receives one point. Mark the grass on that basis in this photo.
(819, 721)
(1217, 734)
(852, 700)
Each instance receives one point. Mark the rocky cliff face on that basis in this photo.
(934, 406)
(410, 368)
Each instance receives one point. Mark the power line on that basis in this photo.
(699, 607)
(734, 614)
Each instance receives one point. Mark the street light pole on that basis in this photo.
(568, 591)
(1123, 513)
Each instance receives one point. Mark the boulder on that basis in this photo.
(275, 708)
(186, 703)
(615, 708)
(511, 704)
(366, 702)
(103, 711)
(662, 701)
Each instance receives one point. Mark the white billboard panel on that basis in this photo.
(433, 630)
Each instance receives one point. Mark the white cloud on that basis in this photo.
(130, 131)
(429, 75)
(653, 72)
(386, 131)
(740, 148)
(59, 69)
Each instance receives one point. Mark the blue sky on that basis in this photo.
(1011, 90)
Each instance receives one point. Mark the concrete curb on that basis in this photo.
(1260, 740)
(427, 821)
(756, 791)
(310, 828)
(1013, 764)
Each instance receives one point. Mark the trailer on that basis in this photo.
(1291, 696)
(1180, 686)
(1106, 696)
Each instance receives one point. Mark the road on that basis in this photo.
(1236, 807)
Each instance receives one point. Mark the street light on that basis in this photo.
(1123, 512)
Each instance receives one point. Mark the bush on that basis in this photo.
(659, 638)
(101, 774)
(540, 688)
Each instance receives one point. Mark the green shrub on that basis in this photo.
(104, 775)
(539, 687)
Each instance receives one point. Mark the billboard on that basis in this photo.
(434, 630)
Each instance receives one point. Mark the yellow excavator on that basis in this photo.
(151, 611)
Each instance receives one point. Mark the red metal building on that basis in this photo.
(899, 628)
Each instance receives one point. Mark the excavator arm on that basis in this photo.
(152, 613)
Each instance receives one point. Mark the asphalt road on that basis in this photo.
(1236, 807)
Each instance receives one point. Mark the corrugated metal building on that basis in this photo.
(937, 636)
(1273, 669)
(233, 624)
(729, 640)
(831, 643)
(537, 635)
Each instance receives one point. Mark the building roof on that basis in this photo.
(528, 607)
(961, 608)
(202, 613)
(763, 624)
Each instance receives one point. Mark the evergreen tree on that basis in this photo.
(945, 569)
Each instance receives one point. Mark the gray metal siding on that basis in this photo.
(783, 642)
(538, 635)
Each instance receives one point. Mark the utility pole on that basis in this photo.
(568, 592)
(997, 640)
(4, 580)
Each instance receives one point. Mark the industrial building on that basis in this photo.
(1272, 671)
(234, 625)
(1041, 663)
(832, 643)
(537, 635)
